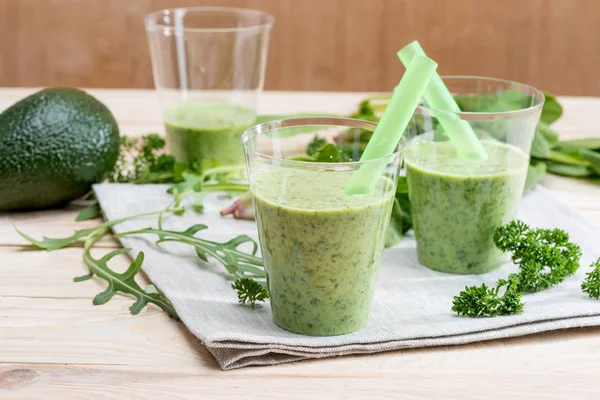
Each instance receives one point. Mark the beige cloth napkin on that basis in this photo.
(411, 307)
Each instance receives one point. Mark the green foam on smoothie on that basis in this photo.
(438, 97)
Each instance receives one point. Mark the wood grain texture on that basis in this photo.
(327, 45)
(58, 382)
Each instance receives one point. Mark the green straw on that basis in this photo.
(437, 95)
(392, 125)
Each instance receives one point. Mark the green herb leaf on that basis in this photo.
(545, 256)
(591, 284)
(395, 231)
(576, 145)
(552, 109)
(573, 158)
(239, 263)
(535, 174)
(315, 145)
(125, 282)
(249, 291)
(574, 171)
(483, 301)
(551, 136)
(51, 244)
(540, 148)
(327, 153)
(90, 212)
(593, 158)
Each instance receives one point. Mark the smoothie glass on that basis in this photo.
(209, 68)
(321, 248)
(457, 202)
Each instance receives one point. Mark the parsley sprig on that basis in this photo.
(483, 301)
(545, 258)
(591, 284)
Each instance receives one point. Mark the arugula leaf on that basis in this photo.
(250, 291)
(51, 244)
(239, 263)
(90, 212)
(535, 173)
(552, 110)
(125, 282)
(591, 284)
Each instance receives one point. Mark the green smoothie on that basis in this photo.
(321, 248)
(457, 203)
(208, 131)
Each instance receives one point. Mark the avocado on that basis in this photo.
(54, 145)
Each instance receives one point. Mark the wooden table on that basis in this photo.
(54, 344)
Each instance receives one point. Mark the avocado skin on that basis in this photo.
(54, 145)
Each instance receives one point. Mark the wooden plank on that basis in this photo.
(316, 45)
(72, 331)
(59, 382)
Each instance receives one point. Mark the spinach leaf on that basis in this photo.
(540, 148)
(593, 158)
(552, 109)
(548, 133)
(535, 174)
(574, 171)
(573, 158)
(395, 232)
(579, 144)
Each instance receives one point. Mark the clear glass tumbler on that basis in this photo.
(209, 67)
(457, 202)
(321, 248)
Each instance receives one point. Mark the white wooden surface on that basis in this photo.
(54, 344)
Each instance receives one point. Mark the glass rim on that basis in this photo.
(324, 121)
(489, 115)
(151, 19)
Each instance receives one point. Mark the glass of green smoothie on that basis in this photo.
(457, 202)
(209, 68)
(321, 248)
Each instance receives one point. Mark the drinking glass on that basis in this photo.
(209, 67)
(457, 202)
(321, 247)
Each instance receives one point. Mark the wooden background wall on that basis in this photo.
(345, 45)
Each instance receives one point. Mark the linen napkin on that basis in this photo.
(411, 306)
